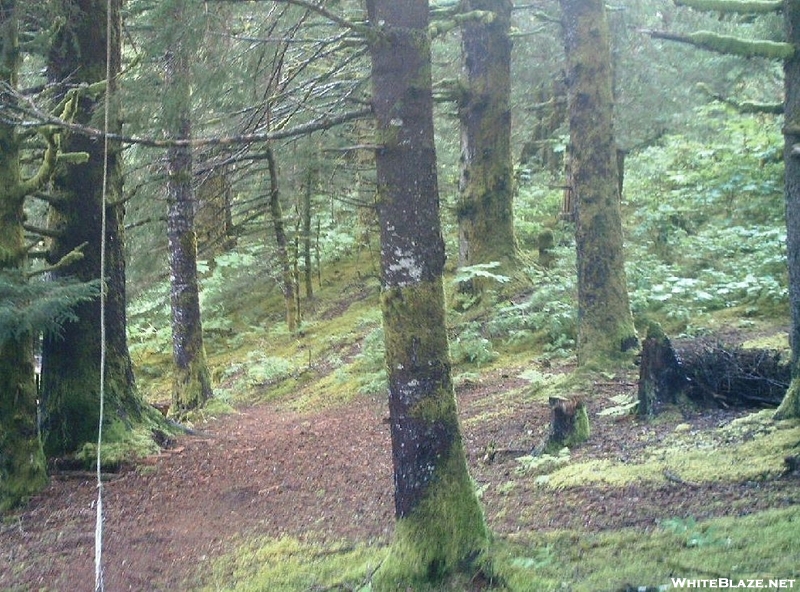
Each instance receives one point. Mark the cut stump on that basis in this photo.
(569, 423)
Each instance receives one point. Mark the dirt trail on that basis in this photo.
(261, 471)
(271, 472)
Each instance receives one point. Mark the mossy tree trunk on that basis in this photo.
(486, 187)
(440, 528)
(790, 407)
(22, 463)
(288, 278)
(605, 323)
(71, 362)
(191, 381)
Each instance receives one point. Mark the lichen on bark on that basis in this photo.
(440, 527)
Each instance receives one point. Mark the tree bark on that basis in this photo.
(661, 381)
(22, 462)
(790, 407)
(308, 269)
(605, 323)
(191, 383)
(486, 187)
(70, 364)
(440, 526)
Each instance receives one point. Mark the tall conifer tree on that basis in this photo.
(22, 466)
(71, 361)
(440, 527)
(605, 323)
(191, 383)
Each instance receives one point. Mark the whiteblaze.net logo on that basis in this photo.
(733, 583)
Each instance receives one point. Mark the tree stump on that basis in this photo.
(545, 242)
(569, 423)
(661, 381)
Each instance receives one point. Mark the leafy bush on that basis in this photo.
(470, 346)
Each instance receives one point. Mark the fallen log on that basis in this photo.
(708, 373)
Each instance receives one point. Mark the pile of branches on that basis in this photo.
(725, 376)
(709, 373)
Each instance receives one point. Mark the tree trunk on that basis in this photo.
(288, 282)
(70, 363)
(486, 187)
(308, 270)
(22, 463)
(440, 527)
(661, 381)
(191, 383)
(605, 323)
(790, 407)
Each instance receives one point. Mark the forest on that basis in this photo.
(344, 295)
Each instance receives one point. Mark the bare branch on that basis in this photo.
(322, 123)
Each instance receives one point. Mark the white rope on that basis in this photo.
(98, 529)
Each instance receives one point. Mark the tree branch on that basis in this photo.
(360, 28)
(48, 232)
(74, 255)
(734, 6)
(320, 124)
(744, 106)
(727, 44)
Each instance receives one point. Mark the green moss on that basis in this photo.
(754, 546)
(790, 406)
(191, 386)
(751, 448)
(287, 564)
(123, 443)
(582, 429)
(748, 48)
(777, 342)
(436, 407)
(734, 6)
(22, 472)
(413, 324)
(444, 536)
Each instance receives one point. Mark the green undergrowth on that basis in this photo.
(757, 546)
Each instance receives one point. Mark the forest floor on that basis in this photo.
(326, 476)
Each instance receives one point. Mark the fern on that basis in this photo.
(480, 270)
(30, 307)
